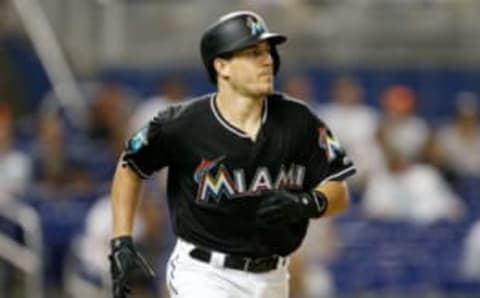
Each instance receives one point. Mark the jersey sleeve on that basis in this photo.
(327, 158)
(147, 151)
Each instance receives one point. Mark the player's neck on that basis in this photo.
(241, 111)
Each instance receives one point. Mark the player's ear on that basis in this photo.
(221, 66)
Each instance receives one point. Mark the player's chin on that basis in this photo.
(263, 93)
(265, 89)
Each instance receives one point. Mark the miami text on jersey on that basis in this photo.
(214, 180)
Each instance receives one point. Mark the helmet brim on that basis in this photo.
(273, 38)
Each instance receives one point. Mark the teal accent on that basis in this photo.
(138, 140)
(257, 29)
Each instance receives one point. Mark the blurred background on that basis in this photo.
(397, 80)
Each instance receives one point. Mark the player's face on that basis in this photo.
(250, 71)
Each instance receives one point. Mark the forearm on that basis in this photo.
(125, 195)
(337, 195)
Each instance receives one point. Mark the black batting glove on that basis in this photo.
(124, 259)
(282, 207)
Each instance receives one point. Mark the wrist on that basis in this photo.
(121, 241)
(321, 202)
(313, 203)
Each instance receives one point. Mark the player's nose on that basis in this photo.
(267, 58)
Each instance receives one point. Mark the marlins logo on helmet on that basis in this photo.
(255, 26)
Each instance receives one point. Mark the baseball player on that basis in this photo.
(248, 169)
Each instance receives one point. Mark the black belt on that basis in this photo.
(256, 265)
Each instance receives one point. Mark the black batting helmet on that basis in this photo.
(235, 31)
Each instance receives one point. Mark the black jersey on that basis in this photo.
(218, 175)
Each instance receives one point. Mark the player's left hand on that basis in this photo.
(124, 259)
(283, 207)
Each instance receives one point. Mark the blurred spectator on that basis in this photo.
(313, 279)
(109, 117)
(459, 140)
(354, 123)
(171, 91)
(51, 155)
(470, 264)
(88, 270)
(15, 175)
(60, 169)
(410, 192)
(15, 166)
(300, 86)
(400, 128)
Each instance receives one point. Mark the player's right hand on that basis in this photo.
(124, 259)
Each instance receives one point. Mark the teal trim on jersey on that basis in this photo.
(138, 140)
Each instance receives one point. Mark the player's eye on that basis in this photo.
(257, 53)
(260, 53)
(253, 53)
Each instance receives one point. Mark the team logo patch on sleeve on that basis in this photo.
(328, 142)
(139, 140)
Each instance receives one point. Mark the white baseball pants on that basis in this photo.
(191, 278)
